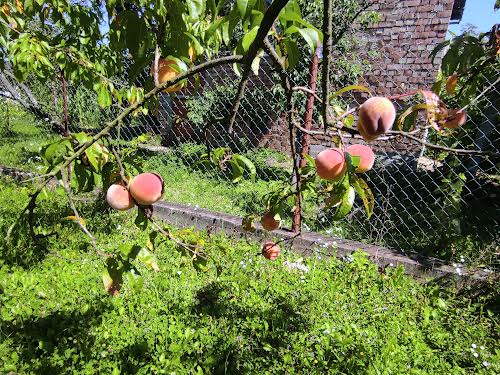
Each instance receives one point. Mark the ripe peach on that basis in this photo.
(330, 164)
(119, 198)
(146, 188)
(166, 71)
(455, 118)
(376, 117)
(367, 157)
(451, 83)
(269, 222)
(271, 250)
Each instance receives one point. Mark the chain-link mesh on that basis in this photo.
(425, 199)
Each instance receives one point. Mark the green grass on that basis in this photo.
(21, 140)
(245, 315)
(197, 188)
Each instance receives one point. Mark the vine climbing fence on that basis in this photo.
(426, 199)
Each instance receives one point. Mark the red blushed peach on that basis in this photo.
(455, 119)
(376, 117)
(271, 250)
(119, 198)
(366, 155)
(269, 222)
(146, 188)
(330, 164)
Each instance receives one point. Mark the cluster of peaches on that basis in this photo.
(376, 117)
(144, 190)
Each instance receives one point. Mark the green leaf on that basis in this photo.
(236, 169)
(248, 38)
(352, 162)
(54, 153)
(129, 250)
(104, 98)
(350, 88)
(141, 221)
(246, 163)
(402, 122)
(365, 193)
(450, 60)
(242, 7)
(438, 48)
(310, 35)
(112, 277)
(97, 156)
(292, 52)
(148, 259)
(346, 204)
(195, 8)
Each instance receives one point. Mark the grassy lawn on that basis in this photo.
(245, 315)
(20, 144)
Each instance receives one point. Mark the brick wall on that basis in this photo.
(407, 33)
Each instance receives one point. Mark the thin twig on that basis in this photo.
(473, 101)
(156, 63)
(267, 22)
(327, 29)
(308, 91)
(78, 218)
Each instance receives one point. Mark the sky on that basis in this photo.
(479, 13)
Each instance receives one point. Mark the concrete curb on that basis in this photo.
(184, 216)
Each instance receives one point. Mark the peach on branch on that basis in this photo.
(269, 222)
(376, 117)
(271, 250)
(119, 198)
(146, 188)
(454, 119)
(167, 69)
(330, 164)
(366, 155)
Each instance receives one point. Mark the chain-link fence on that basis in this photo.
(426, 200)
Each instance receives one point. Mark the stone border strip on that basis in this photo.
(186, 216)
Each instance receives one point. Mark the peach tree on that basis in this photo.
(87, 43)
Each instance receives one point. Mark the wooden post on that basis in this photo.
(305, 140)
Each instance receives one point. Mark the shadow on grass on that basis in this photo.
(50, 342)
(275, 326)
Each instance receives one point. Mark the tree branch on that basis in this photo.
(30, 107)
(78, 218)
(267, 22)
(327, 50)
(112, 124)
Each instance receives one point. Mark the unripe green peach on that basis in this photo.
(376, 117)
(146, 188)
(119, 198)
(366, 155)
(330, 164)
